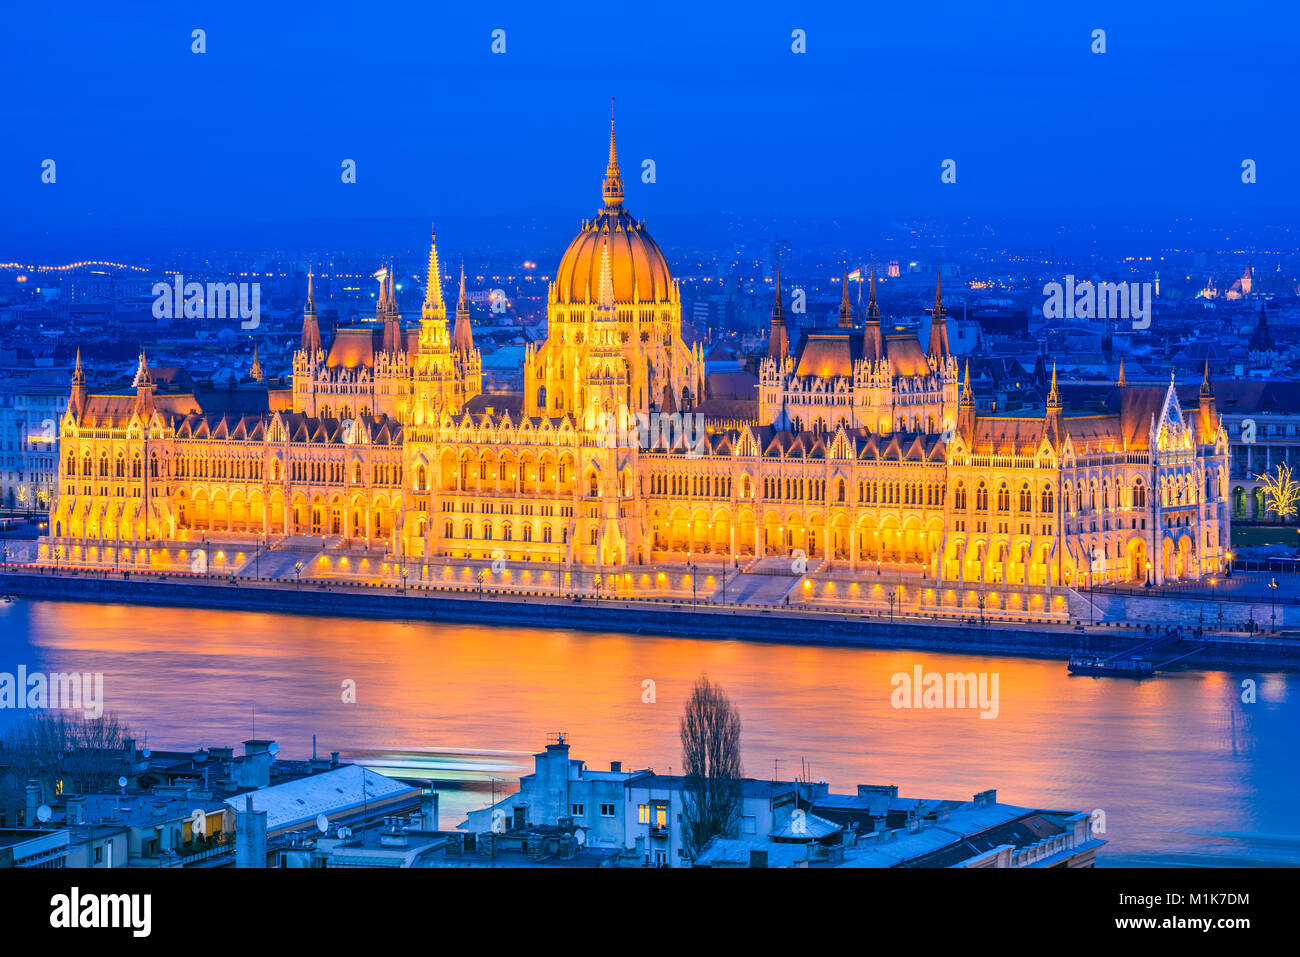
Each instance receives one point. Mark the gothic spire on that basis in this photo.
(846, 309)
(434, 307)
(1123, 380)
(938, 322)
(310, 328)
(462, 333)
(778, 340)
(613, 187)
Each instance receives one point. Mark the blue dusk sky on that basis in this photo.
(148, 136)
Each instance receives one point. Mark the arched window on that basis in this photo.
(1048, 505)
(959, 496)
(1139, 494)
(1026, 499)
(982, 498)
(839, 490)
(591, 484)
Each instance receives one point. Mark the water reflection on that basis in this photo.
(1184, 772)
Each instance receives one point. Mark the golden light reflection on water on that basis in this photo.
(1184, 772)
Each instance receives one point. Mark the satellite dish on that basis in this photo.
(121, 782)
(322, 823)
(580, 836)
(43, 813)
(274, 748)
(145, 753)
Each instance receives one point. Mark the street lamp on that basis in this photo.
(297, 574)
(1228, 572)
(892, 595)
(693, 576)
(1148, 574)
(980, 602)
(1272, 598)
(406, 571)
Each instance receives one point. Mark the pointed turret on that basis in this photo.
(310, 328)
(612, 191)
(1054, 423)
(846, 309)
(1207, 419)
(77, 399)
(462, 335)
(394, 339)
(872, 344)
(143, 384)
(778, 340)
(434, 307)
(255, 370)
(1122, 381)
(938, 322)
(966, 409)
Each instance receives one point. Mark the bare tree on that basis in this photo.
(710, 730)
(68, 754)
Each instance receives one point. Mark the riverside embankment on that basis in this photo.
(642, 617)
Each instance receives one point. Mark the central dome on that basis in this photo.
(636, 264)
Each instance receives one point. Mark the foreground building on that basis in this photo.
(640, 816)
(861, 450)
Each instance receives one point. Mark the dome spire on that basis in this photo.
(613, 188)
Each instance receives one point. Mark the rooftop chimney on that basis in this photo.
(429, 811)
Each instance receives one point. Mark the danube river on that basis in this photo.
(1185, 772)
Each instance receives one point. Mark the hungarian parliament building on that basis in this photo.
(862, 448)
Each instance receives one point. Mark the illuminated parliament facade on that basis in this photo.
(863, 448)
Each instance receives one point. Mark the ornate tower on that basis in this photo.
(872, 345)
(846, 308)
(938, 323)
(778, 341)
